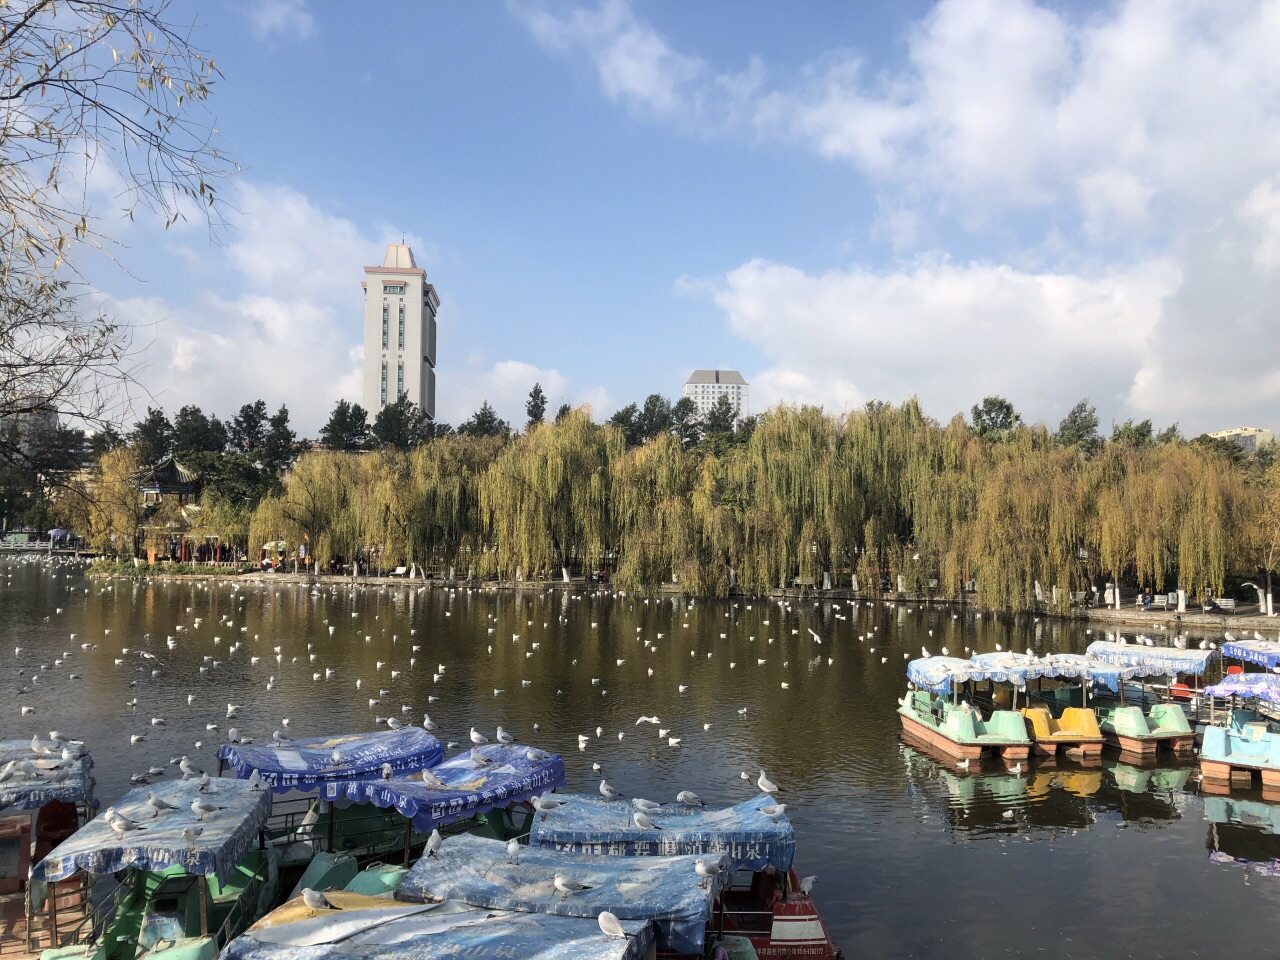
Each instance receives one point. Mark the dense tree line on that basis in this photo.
(797, 493)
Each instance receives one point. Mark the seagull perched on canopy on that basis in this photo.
(642, 821)
(478, 738)
(608, 791)
(567, 885)
(545, 804)
(765, 784)
(610, 925)
(158, 806)
(315, 899)
(690, 798)
(434, 843)
(706, 871)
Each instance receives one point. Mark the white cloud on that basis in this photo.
(950, 333)
(1118, 167)
(288, 18)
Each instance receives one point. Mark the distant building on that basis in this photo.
(1248, 439)
(705, 387)
(399, 333)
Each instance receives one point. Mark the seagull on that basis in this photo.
(479, 739)
(255, 781)
(642, 821)
(513, 851)
(963, 764)
(609, 924)
(434, 843)
(567, 885)
(158, 806)
(1016, 769)
(431, 780)
(503, 737)
(386, 771)
(315, 899)
(706, 871)
(545, 804)
(607, 791)
(202, 807)
(765, 784)
(690, 798)
(188, 769)
(806, 884)
(191, 835)
(774, 810)
(648, 806)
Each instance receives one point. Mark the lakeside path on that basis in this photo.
(1128, 616)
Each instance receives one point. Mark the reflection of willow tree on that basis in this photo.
(880, 492)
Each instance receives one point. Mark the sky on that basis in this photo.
(846, 202)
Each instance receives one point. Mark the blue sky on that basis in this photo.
(848, 202)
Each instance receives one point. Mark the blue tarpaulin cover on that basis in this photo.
(227, 833)
(1262, 652)
(1152, 661)
(443, 931)
(584, 824)
(937, 674)
(305, 764)
(666, 890)
(1068, 665)
(511, 774)
(37, 779)
(1264, 686)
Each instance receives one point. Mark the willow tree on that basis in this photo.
(1260, 526)
(221, 519)
(106, 507)
(800, 506)
(318, 506)
(652, 515)
(545, 498)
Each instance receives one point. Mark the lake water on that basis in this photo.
(913, 857)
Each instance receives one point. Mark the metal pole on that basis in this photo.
(408, 839)
(331, 818)
(204, 905)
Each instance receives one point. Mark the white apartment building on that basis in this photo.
(1248, 439)
(705, 387)
(399, 333)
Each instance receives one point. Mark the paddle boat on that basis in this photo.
(1249, 745)
(766, 903)
(1151, 726)
(1070, 730)
(304, 826)
(190, 878)
(51, 783)
(363, 927)
(957, 728)
(665, 890)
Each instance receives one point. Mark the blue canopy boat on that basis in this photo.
(303, 826)
(666, 890)
(1071, 729)
(1149, 727)
(932, 714)
(192, 879)
(773, 909)
(50, 785)
(1264, 653)
(370, 928)
(1249, 745)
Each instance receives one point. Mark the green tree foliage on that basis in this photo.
(536, 406)
(564, 411)
(152, 437)
(193, 432)
(485, 422)
(684, 421)
(626, 422)
(347, 427)
(994, 418)
(1079, 428)
(400, 425)
(654, 417)
(1133, 434)
(248, 429)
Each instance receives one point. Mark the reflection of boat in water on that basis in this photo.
(1248, 747)
(190, 879)
(1244, 832)
(50, 783)
(986, 796)
(769, 906)
(956, 728)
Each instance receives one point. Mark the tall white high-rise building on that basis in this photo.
(705, 387)
(399, 333)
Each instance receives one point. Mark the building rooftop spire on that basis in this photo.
(400, 256)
